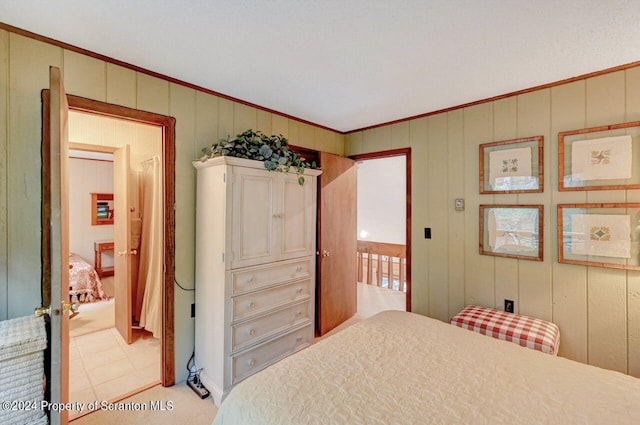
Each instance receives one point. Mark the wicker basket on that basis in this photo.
(22, 341)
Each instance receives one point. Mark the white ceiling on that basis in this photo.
(348, 64)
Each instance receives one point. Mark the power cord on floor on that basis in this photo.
(193, 380)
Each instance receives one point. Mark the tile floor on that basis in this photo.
(102, 366)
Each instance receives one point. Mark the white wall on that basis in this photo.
(87, 176)
(382, 200)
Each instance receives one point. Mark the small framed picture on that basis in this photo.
(512, 166)
(512, 231)
(599, 158)
(601, 235)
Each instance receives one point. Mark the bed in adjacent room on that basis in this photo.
(404, 368)
(84, 282)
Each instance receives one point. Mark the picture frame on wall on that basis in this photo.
(600, 235)
(512, 166)
(599, 158)
(512, 231)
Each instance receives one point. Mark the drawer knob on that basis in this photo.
(251, 332)
(251, 362)
(250, 279)
(298, 290)
(298, 339)
(298, 313)
(298, 269)
(251, 304)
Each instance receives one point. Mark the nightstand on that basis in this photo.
(99, 247)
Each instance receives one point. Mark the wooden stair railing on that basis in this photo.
(382, 259)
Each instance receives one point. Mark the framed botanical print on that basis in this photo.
(602, 235)
(512, 166)
(599, 158)
(512, 231)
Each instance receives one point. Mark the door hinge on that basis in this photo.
(223, 257)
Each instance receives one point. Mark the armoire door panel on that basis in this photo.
(252, 217)
(298, 221)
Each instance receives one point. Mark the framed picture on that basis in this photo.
(601, 235)
(599, 158)
(512, 166)
(512, 231)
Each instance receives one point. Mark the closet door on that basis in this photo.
(296, 216)
(252, 217)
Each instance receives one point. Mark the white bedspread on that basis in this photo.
(403, 368)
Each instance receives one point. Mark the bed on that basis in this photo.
(84, 282)
(404, 368)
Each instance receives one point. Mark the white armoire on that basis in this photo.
(255, 268)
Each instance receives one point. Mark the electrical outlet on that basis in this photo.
(508, 306)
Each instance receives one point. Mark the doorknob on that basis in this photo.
(41, 311)
(326, 253)
(132, 252)
(70, 306)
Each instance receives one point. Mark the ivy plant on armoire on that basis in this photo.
(255, 268)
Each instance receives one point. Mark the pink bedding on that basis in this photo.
(84, 282)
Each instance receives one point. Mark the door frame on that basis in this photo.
(406, 152)
(167, 124)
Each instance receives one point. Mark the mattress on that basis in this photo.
(403, 368)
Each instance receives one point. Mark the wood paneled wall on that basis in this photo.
(597, 309)
(201, 119)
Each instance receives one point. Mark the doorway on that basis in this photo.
(115, 337)
(384, 231)
(49, 238)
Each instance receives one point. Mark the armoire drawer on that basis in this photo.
(254, 278)
(255, 359)
(245, 306)
(252, 331)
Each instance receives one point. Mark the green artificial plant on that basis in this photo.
(272, 150)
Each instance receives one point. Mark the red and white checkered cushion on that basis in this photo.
(527, 331)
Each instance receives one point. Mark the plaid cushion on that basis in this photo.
(527, 331)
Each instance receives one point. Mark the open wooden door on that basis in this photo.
(122, 244)
(337, 242)
(56, 293)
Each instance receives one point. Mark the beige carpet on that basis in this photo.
(93, 317)
(187, 408)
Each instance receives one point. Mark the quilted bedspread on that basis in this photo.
(403, 368)
(84, 282)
